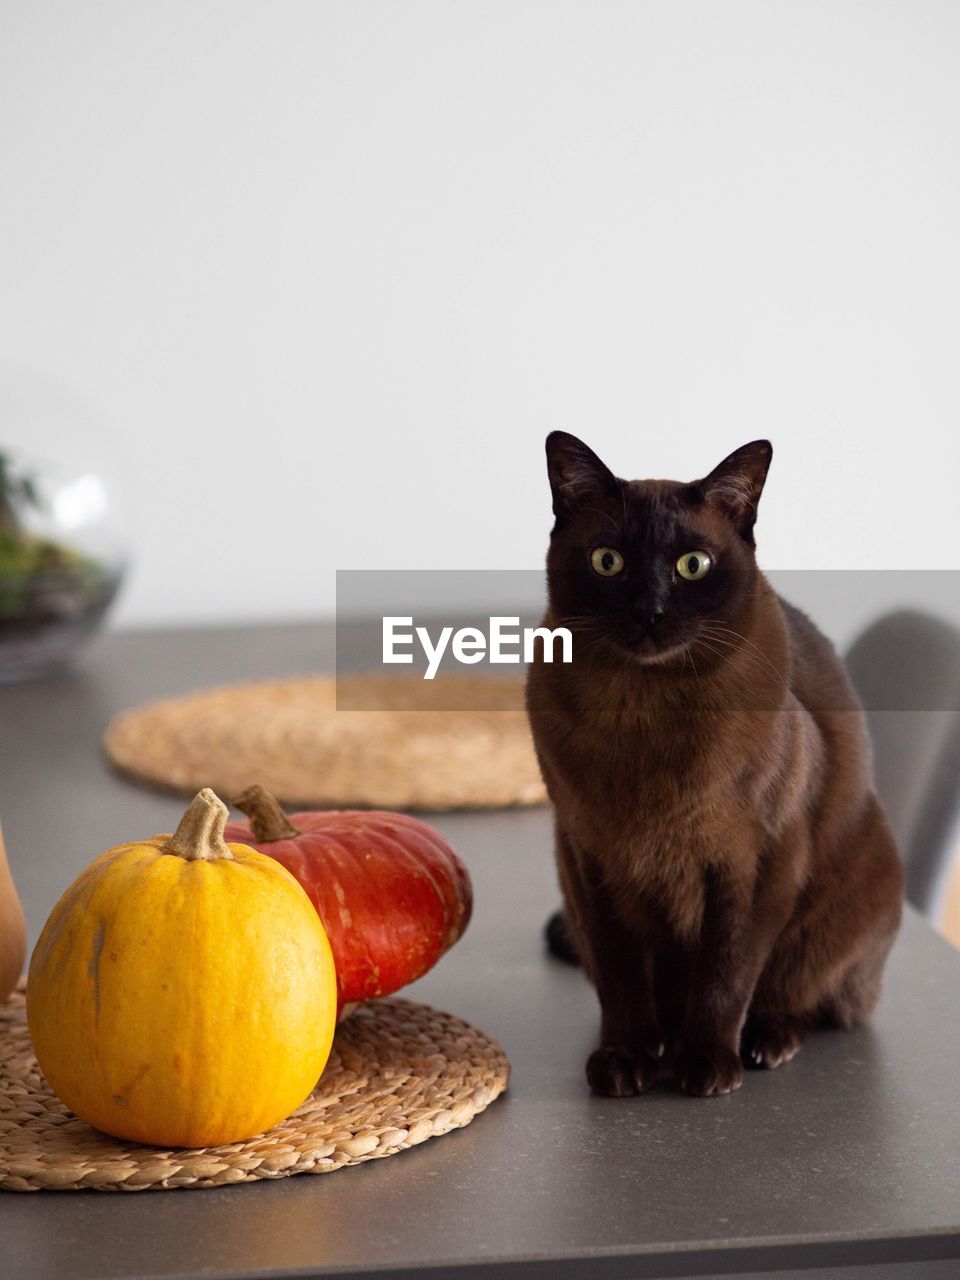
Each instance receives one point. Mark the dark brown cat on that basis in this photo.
(729, 877)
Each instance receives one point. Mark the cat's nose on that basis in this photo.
(648, 613)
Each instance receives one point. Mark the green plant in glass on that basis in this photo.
(51, 595)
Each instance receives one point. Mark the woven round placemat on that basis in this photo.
(399, 1073)
(289, 736)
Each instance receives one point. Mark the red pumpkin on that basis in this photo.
(392, 894)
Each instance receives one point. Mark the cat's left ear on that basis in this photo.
(734, 487)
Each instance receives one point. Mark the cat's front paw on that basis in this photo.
(709, 1070)
(768, 1042)
(620, 1073)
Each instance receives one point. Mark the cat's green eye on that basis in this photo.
(694, 565)
(606, 561)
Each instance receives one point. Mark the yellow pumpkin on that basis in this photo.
(183, 991)
(13, 934)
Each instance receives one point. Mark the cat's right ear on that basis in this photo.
(577, 476)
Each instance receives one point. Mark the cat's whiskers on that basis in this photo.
(729, 645)
(593, 640)
(586, 628)
(718, 630)
(687, 650)
(575, 618)
(731, 648)
(710, 649)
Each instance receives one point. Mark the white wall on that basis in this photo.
(332, 270)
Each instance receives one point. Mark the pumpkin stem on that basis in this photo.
(199, 837)
(268, 822)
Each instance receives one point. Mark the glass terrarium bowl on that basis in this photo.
(61, 562)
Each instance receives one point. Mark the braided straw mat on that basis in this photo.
(290, 737)
(399, 1073)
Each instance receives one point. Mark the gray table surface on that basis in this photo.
(849, 1155)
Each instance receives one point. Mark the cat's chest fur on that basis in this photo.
(657, 789)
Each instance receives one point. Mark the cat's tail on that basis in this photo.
(559, 938)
